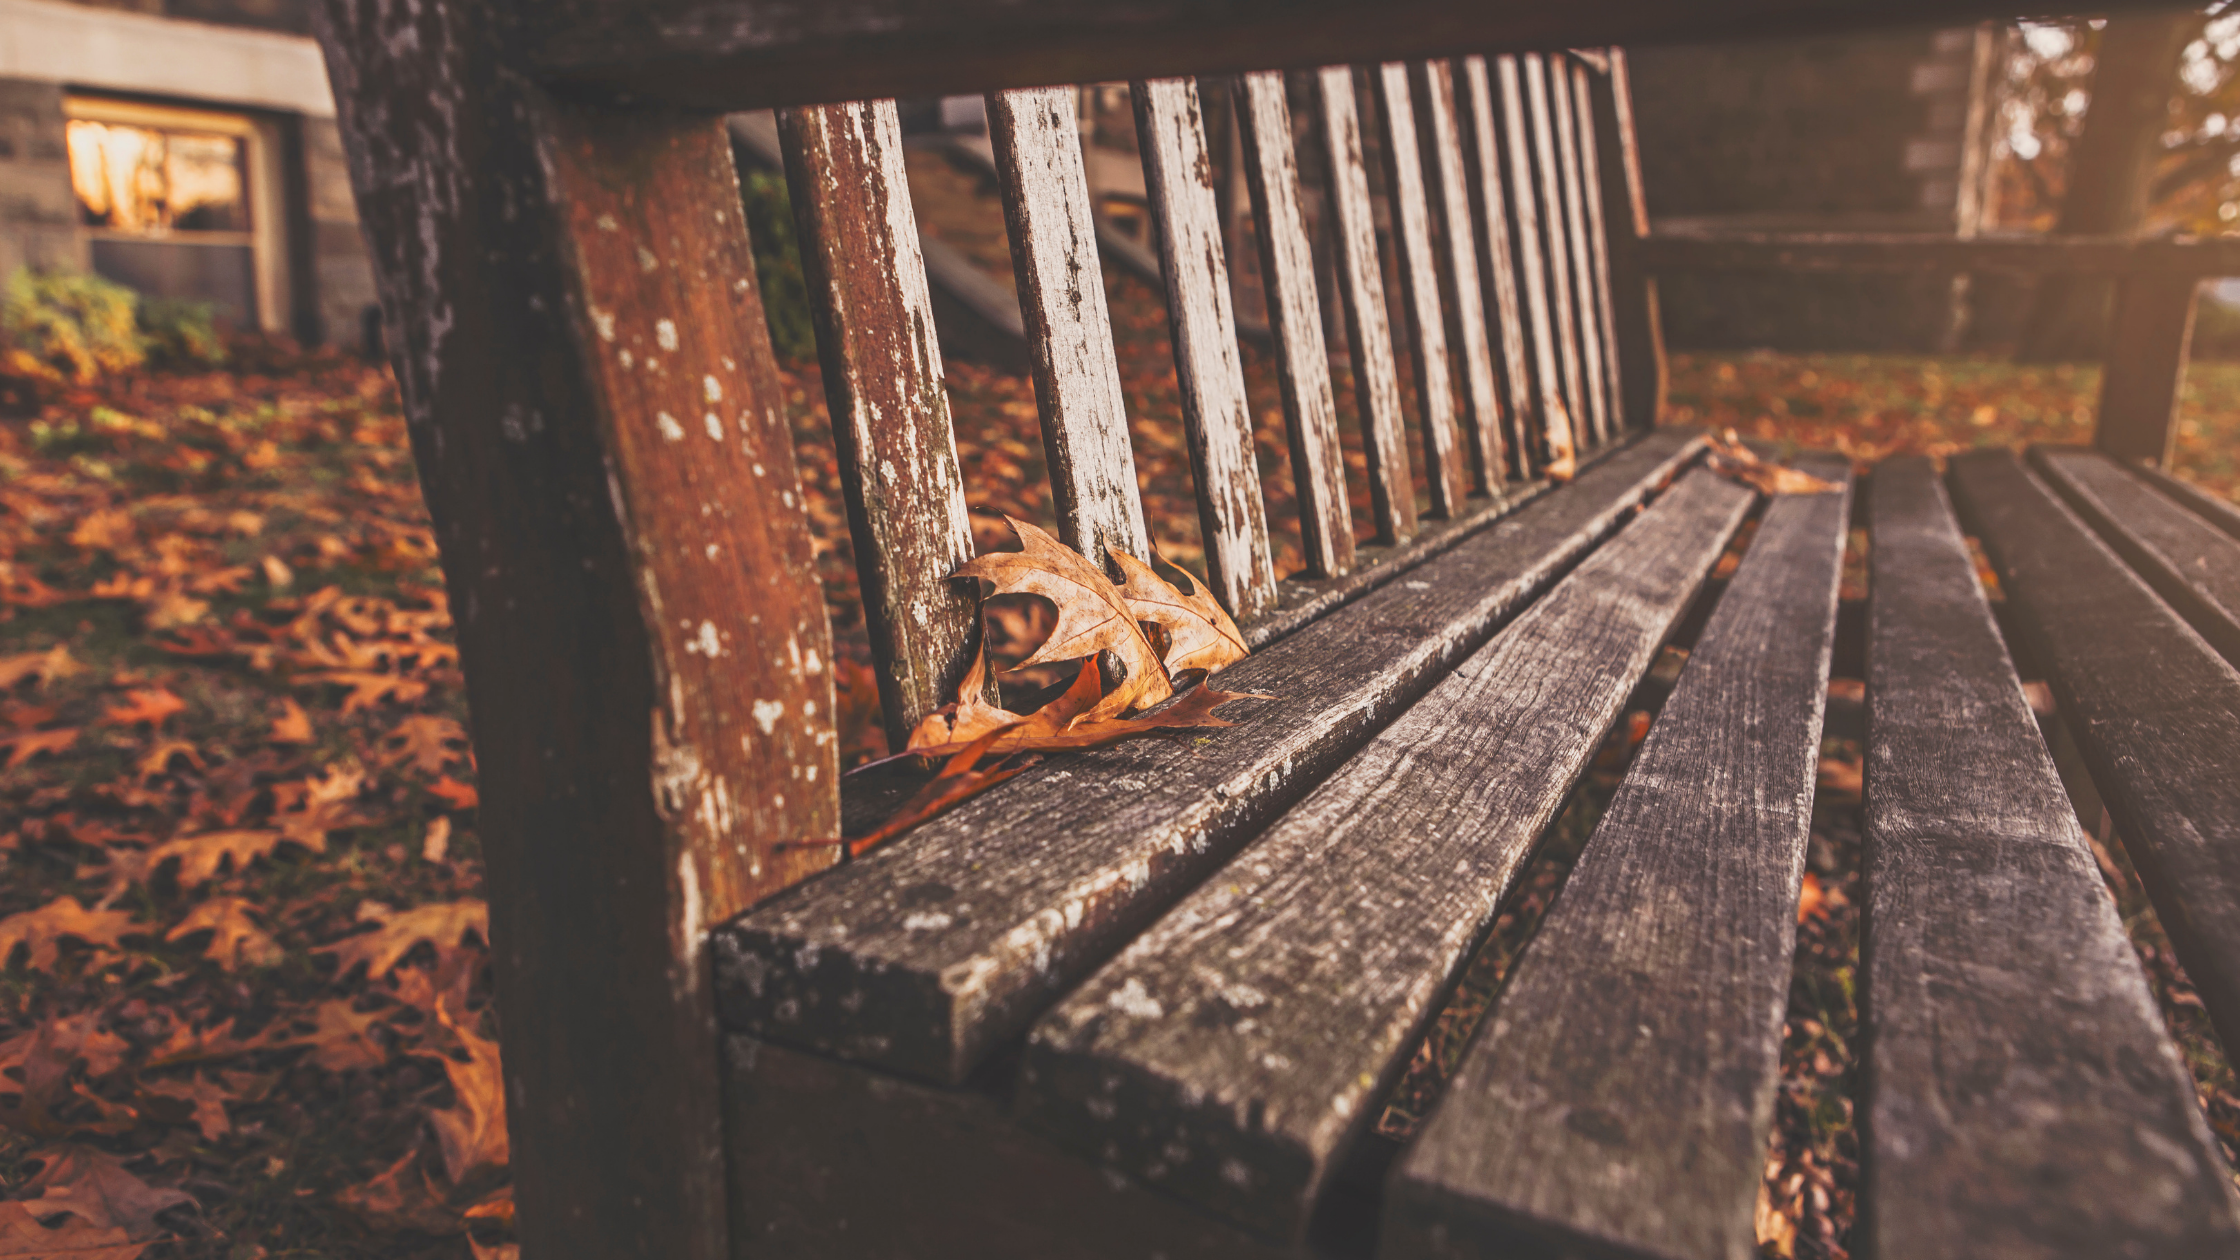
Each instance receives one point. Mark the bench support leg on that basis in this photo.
(2145, 367)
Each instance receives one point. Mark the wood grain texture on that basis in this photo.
(2149, 335)
(1547, 186)
(1588, 179)
(1617, 1098)
(2153, 709)
(2022, 1097)
(1231, 1051)
(621, 813)
(1376, 382)
(1489, 216)
(1570, 181)
(1216, 416)
(1528, 241)
(1639, 332)
(1061, 293)
(1418, 259)
(1691, 248)
(1447, 188)
(2202, 502)
(2194, 566)
(1287, 270)
(926, 953)
(884, 389)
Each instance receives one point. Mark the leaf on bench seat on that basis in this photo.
(1730, 458)
(1200, 632)
(1092, 616)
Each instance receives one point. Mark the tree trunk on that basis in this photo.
(2111, 170)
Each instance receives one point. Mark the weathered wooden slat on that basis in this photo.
(1230, 1052)
(1489, 214)
(1061, 294)
(2022, 1097)
(927, 952)
(738, 54)
(1418, 260)
(1515, 131)
(1295, 311)
(553, 282)
(1547, 189)
(890, 407)
(2192, 564)
(1583, 295)
(1639, 334)
(1618, 1096)
(1604, 332)
(1216, 416)
(2149, 335)
(1448, 192)
(1376, 384)
(2154, 710)
(1676, 248)
(2215, 509)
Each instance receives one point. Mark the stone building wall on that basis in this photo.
(38, 215)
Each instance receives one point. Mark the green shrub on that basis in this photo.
(65, 327)
(777, 259)
(180, 334)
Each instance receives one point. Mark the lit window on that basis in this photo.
(149, 181)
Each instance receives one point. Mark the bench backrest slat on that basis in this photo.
(890, 408)
(1419, 288)
(1069, 328)
(1546, 182)
(1448, 189)
(1295, 314)
(1533, 281)
(1489, 213)
(1604, 329)
(1594, 392)
(1216, 416)
(1376, 383)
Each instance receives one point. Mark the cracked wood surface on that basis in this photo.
(1216, 415)
(1353, 240)
(1617, 1098)
(1584, 307)
(1310, 411)
(923, 955)
(1461, 295)
(2191, 563)
(2154, 711)
(1231, 1052)
(1051, 218)
(1514, 130)
(884, 389)
(1589, 172)
(1489, 216)
(1546, 183)
(2022, 1098)
(1418, 261)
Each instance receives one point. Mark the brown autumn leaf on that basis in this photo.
(1194, 708)
(235, 937)
(341, 1036)
(368, 689)
(307, 809)
(293, 726)
(201, 857)
(424, 742)
(24, 745)
(42, 930)
(953, 726)
(46, 666)
(472, 1132)
(446, 923)
(959, 780)
(22, 1237)
(1563, 457)
(1200, 633)
(1092, 616)
(195, 1099)
(151, 705)
(462, 796)
(54, 1046)
(158, 759)
(96, 1187)
(187, 1044)
(1730, 458)
(401, 1198)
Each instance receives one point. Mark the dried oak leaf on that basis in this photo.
(293, 726)
(445, 922)
(42, 930)
(959, 780)
(472, 1132)
(94, 1186)
(195, 1099)
(368, 689)
(953, 727)
(401, 1198)
(24, 745)
(188, 1044)
(462, 796)
(1092, 615)
(150, 705)
(158, 759)
(201, 857)
(1563, 457)
(46, 666)
(1730, 458)
(1200, 633)
(22, 1237)
(235, 937)
(424, 742)
(341, 1037)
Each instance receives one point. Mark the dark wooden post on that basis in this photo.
(2146, 366)
(1633, 290)
(602, 441)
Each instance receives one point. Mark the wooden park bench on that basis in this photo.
(1147, 1000)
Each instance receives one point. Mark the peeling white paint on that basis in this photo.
(767, 713)
(665, 334)
(670, 429)
(713, 425)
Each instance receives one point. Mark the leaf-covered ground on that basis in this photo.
(244, 1003)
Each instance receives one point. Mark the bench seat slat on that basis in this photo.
(1053, 229)
(2155, 712)
(2022, 1095)
(2218, 511)
(926, 953)
(1619, 1094)
(1376, 381)
(1489, 214)
(1432, 84)
(1216, 416)
(1428, 350)
(1310, 411)
(2194, 566)
(1231, 1051)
